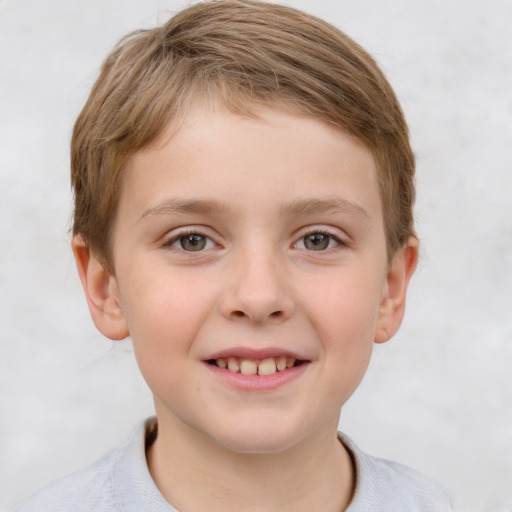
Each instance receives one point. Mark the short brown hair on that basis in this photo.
(242, 53)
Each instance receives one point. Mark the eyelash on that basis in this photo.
(340, 243)
(169, 242)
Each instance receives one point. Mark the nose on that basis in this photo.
(257, 290)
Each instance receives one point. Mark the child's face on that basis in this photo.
(253, 239)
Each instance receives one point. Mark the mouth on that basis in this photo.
(252, 366)
(257, 370)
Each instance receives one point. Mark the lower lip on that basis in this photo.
(258, 382)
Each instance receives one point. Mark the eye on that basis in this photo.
(317, 241)
(192, 242)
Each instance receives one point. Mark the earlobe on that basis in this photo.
(101, 291)
(392, 306)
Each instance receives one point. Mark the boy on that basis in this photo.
(243, 211)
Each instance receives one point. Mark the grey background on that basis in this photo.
(438, 397)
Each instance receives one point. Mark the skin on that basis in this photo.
(255, 189)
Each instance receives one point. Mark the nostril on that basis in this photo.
(241, 314)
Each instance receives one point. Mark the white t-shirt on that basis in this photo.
(121, 482)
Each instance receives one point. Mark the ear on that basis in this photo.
(101, 291)
(392, 306)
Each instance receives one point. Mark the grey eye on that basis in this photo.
(317, 241)
(193, 242)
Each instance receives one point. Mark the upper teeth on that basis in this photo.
(267, 366)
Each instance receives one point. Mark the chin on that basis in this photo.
(253, 437)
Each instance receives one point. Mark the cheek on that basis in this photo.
(346, 311)
(344, 316)
(159, 304)
(163, 322)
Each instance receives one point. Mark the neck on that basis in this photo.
(195, 473)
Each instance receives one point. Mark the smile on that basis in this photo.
(262, 369)
(246, 366)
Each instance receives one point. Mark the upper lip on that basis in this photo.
(255, 353)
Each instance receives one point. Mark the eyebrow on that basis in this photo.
(176, 205)
(300, 206)
(333, 205)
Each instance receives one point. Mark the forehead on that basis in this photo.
(271, 158)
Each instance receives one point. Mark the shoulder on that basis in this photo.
(383, 485)
(120, 481)
(85, 490)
